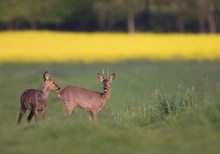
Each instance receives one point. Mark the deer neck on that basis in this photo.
(46, 92)
(106, 94)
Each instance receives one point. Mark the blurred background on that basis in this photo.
(195, 16)
(164, 100)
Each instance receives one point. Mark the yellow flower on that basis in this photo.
(45, 46)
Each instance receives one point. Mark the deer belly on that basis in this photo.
(91, 106)
(41, 107)
(84, 105)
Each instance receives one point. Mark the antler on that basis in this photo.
(103, 71)
(107, 72)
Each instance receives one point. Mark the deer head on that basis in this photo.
(49, 83)
(106, 81)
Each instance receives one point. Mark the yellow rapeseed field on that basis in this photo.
(45, 46)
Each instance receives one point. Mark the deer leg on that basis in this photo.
(68, 110)
(30, 116)
(44, 113)
(93, 115)
(22, 112)
(65, 114)
(35, 114)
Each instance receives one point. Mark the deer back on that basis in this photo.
(33, 99)
(81, 97)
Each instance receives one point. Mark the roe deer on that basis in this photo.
(36, 100)
(92, 101)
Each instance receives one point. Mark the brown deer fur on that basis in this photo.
(92, 101)
(36, 100)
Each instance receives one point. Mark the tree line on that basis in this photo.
(112, 15)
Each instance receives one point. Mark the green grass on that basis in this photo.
(155, 107)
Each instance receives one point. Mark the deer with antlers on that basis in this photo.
(92, 101)
(36, 100)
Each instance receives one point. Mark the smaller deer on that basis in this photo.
(92, 101)
(36, 100)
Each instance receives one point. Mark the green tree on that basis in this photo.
(79, 11)
(111, 10)
(43, 11)
(9, 11)
(207, 11)
(181, 9)
(33, 11)
(204, 10)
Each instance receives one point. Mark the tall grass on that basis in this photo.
(163, 105)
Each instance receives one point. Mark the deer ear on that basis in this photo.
(112, 77)
(100, 77)
(46, 76)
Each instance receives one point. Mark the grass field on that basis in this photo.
(155, 107)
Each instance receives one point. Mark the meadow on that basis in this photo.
(155, 107)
